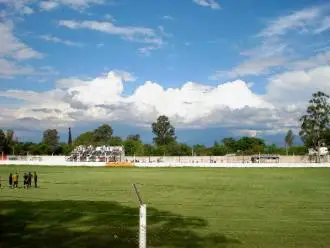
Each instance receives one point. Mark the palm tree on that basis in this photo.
(289, 138)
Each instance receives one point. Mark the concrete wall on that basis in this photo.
(235, 165)
(188, 161)
(217, 159)
(51, 163)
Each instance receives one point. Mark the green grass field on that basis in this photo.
(187, 208)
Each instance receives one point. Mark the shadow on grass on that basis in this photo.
(64, 224)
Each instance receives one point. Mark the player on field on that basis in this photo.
(15, 179)
(30, 179)
(26, 182)
(10, 179)
(35, 180)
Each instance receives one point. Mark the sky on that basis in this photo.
(216, 68)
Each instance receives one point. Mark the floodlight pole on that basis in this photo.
(143, 220)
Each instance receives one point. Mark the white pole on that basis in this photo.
(143, 226)
(143, 220)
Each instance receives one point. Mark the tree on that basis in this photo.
(115, 141)
(135, 137)
(70, 137)
(103, 134)
(8, 141)
(2, 140)
(201, 150)
(315, 123)
(250, 145)
(289, 138)
(327, 137)
(133, 147)
(50, 138)
(163, 130)
(230, 144)
(86, 138)
(148, 150)
(220, 149)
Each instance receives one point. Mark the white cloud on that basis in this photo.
(109, 17)
(108, 27)
(12, 51)
(213, 4)
(167, 17)
(325, 25)
(231, 105)
(131, 33)
(293, 89)
(61, 41)
(102, 98)
(27, 10)
(19, 6)
(277, 44)
(12, 46)
(75, 4)
(48, 5)
(317, 60)
(10, 69)
(301, 20)
(255, 66)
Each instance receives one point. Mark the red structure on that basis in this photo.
(3, 156)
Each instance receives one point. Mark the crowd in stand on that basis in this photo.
(97, 154)
(13, 180)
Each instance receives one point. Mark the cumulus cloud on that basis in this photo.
(294, 88)
(231, 104)
(213, 4)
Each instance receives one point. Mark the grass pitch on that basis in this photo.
(187, 208)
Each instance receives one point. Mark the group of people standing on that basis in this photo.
(13, 180)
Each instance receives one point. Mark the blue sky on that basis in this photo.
(217, 67)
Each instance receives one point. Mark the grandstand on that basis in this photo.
(97, 154)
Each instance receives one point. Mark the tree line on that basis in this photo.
(315, 132)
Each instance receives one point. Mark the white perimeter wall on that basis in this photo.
(60, 161)
(234, 165)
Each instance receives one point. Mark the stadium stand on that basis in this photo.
(97, 154)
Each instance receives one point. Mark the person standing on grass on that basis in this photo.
(29, 179)
(26, 182)
(10, 180)
(35, 180)
(14, 180)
